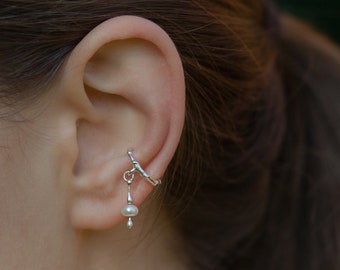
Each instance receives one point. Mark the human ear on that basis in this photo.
(125, 83)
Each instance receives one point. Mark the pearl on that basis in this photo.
(129, 210)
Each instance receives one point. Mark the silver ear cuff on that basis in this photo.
(131, 210)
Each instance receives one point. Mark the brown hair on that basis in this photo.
(242, 199)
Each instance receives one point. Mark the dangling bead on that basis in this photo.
(129, 223)
(129, 210)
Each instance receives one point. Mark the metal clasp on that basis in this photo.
(138, 168)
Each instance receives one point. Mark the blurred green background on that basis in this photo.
(324, 15)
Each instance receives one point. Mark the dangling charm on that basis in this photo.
(131, 210)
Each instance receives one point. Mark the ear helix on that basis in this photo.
(131, 210)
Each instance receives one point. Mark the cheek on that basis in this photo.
(29, 195)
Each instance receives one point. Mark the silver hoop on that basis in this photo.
(128, 177)
(138, 168)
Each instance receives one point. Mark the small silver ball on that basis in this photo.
(129, 223)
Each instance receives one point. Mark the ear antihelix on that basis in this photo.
(131, 210)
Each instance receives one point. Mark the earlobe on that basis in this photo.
(131, 75)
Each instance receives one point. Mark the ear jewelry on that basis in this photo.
(131, 210)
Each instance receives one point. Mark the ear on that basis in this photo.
(125, 82)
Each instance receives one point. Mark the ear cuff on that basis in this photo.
(131, 210)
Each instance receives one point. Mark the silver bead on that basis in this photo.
(129, 223)
(129, 210)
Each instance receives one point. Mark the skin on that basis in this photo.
(61, 189)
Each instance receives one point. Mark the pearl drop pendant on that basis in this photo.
(129, 211)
